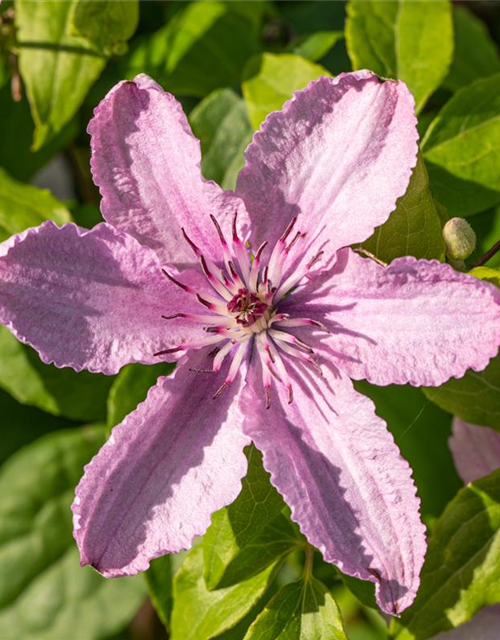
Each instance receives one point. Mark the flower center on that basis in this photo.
(244, 318)
(247, 307)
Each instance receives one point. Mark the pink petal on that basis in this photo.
(146, 163)
(338, 468)
(89, 299)
(165, 469)
(484, 625)
(415, 321)
(476, 450)
(340, 153)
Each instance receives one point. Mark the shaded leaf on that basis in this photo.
(251, 533)
(200, 614)
(23, 206)
(270, 80)
(204, 47)
(131, 386)
(105, 24)
(62, 392)
(16, 154)
(475, 398)
(487, 228)
(303, 610)
(221, 123)
(461, 573)
(57, 68)
(461, 149)
(475, 56)
(414, 228)
(21, 425)
(159, 580)
(51, 596)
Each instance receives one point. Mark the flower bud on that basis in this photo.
(459, 238)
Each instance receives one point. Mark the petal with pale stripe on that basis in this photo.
(338, 468)
(165, 469)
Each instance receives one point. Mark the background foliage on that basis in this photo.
(253, 575)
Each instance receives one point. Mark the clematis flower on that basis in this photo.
(475, 450)
(269, 315)
(476, 453)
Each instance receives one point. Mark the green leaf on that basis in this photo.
(251, 533)
(402, 40)
(57, 69)
(488, 274)
(415, 422)
(105, 24)
(204, 47)
(23, 206)
(62, 392)
(16, 154)
(270, 80)
(476, 55)
(487, 228)
(160, 586)
(200, 614)
(221, 123)
(462, 149)
(315, 46)
(131, 387)
(414, 228)
(21, 425)
(462, 567)
(303, 610)
(44, 593)
(474, 398)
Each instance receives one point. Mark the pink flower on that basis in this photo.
(476, 450)
(170, 274)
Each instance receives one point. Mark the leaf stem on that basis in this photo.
(308, 564)
(489, 254)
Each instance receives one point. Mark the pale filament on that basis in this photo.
(245, 320)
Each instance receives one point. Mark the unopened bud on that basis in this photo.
(459, 238)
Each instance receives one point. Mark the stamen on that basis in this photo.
(184, 287)
(302, 322)
(195, 249)
(240, 252)
(214, 282)
(290, 339)
(254, 271)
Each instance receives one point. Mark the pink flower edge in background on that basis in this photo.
(169, 276)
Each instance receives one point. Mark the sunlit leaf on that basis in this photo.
(462, 567)
(402, 40)
(23, 206)
(462, 149)
(315, 46)
(200, 614)
(204, 47)
(270, 80)
(105, 24)
(303, 610)
(56, 67)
